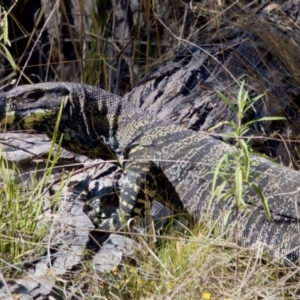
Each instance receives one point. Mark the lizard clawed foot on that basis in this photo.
(107, 219)
(112, 223)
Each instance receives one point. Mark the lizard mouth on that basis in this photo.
(9, 118)
(26, 116)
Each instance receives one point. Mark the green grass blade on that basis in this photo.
(263, 200)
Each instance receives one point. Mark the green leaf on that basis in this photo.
(244, 129)
(228, 102)
(215, 178)
(253, 101)
(265, 119)
(241, 92)
(239, 188)
(246, 156)
(5, 29)
(9, 57)
(263, 200)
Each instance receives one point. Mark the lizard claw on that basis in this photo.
(112, 223)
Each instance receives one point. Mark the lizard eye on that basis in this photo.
(31, 97)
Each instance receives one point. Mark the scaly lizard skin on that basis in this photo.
(160, 160)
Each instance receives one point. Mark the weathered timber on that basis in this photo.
(258, 44)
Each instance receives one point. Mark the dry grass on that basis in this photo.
(196, 267)
(200, 265)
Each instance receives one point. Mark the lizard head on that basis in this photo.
(64, 108)
(33, 106)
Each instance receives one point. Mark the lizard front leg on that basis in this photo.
(138, 189)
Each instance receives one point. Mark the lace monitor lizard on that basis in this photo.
(160, 160)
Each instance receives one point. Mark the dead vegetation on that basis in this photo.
(147, 48)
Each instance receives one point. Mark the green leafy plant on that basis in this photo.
(239, 158)
(4, 40)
